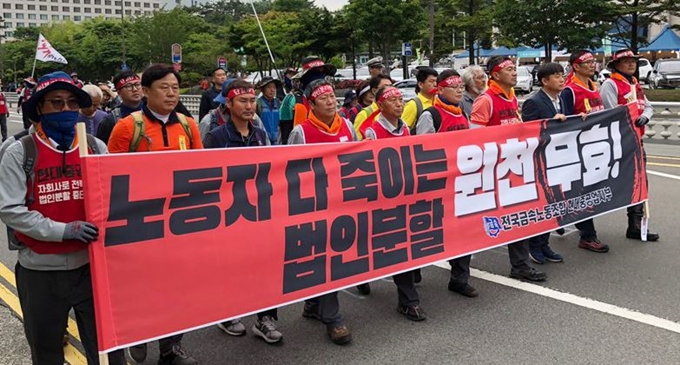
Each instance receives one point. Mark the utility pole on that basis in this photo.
(122, 27)
(431, 53)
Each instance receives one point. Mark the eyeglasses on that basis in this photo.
(58, 104)
(129, 87)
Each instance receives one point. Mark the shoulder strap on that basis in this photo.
(138, 131)
(419, 107)
(187, 128)
(436, 118)
(30, 155)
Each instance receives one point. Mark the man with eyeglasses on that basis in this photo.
(49, 227)
(129, 88)
(162, 129)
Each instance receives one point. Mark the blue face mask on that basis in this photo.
(61, 127)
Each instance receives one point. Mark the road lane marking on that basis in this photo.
(662, 164)
(588, 303)
(71, 354)
(664, 157)
(8, 275)
(661, 174)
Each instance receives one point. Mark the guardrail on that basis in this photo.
(664, 126)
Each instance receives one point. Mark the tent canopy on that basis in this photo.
(667, 40)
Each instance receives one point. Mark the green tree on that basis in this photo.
(292, 5)
(571, 24)
(384, 24)
(472, 17)
(228, 12)
(634, 15)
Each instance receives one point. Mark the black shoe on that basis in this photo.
(636, 234)
(364, 289)
(465, 290)
(176, 356)
(560, 231)
(137, 353)
(529, 275)
(311, 311)
(417, 276)
(413, 312)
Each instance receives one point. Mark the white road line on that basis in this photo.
(606, 308)
(670, 176)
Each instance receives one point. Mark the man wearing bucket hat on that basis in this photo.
(620, 89)
(52, 272)
(268, 106)
(294, 108)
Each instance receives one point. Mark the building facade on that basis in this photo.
(34, 13)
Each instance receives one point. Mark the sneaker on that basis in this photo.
(417, 276)
(137, 353)
(593, 244)
(413, 312)
(233, 327)
(465, 289)
(267, 330)
(311, 311)
(176, 356)
(364, 289)
(339, 334)
(529, 275)
(536, 256)
(551, 255)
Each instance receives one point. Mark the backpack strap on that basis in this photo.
(138, 133)
(30, 155)
(419, 107)
(187, 128)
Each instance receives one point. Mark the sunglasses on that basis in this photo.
(58, 104)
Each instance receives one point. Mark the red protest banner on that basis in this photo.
(328, 216)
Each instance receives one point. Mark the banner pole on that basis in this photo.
(35, 60)
(271, 55)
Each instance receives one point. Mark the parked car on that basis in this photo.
(525, 81)
(407, 87)
(644, 70)
(666, 74)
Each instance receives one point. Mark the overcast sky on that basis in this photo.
(331, 4)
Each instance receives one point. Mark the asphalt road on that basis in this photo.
(615, 308)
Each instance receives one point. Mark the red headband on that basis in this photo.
(323, 89)
(502, 65)
(584, 58)
(236, 92)
(125, 81)
(451, 81)
(390, 93)
(625, 54)
(312, 64)
(47, 83)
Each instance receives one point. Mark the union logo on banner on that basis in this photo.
(46, 53)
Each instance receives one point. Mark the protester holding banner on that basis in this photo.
(53, 271)
(324, 125)
(620, 89)
(447, 115)
(389, 125)
(498, 106)
(157, 127)
(545, 104)
(361, 122)
(581, 96)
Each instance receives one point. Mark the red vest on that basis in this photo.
(451, 122)
(627, 96)
(3, 105)
(315, 135)
(381, 132)
(585, 100)
(503, 111)
(57, 195)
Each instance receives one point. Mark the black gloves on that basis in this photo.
(82, 231)
(642, 120)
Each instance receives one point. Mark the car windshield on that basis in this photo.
(522, 71)
(673, 66)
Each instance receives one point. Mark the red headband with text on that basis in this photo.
(625, 54)
(502, 65)
(47, 83)
(125, 81)
(584, 58)
(392, 92)
(451, 81)
(312, 64)
(321, 90)
(236, 92)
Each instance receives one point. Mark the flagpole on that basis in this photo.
(35, 60)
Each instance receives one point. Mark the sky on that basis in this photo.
(331, 4)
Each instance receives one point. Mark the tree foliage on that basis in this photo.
(631, 16)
